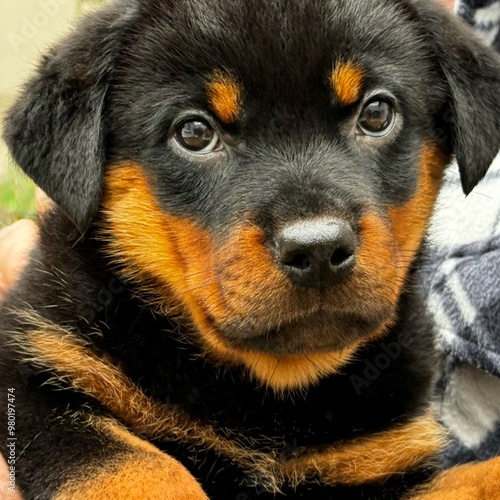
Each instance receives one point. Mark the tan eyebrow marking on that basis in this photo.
(224, 96)
(347, 82)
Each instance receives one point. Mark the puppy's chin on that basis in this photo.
(316, 333)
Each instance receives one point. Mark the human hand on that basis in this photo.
(7, 490)
(16, 242)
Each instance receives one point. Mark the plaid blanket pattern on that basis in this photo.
(461, 279)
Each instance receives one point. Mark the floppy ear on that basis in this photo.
(472, 71)
(55, 129)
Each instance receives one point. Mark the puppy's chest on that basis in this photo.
(301, 432)
(173, 373)
(314, 441)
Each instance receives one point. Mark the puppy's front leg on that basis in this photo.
(103, 460)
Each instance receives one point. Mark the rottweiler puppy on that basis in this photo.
(223, 304)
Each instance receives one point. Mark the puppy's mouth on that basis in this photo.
(318, 332)
(292, 354)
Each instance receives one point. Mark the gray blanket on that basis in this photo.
(484, 16)
(462, 283)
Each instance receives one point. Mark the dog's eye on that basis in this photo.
(197, 136)
(377, 118)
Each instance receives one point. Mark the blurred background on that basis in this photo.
(27, 29)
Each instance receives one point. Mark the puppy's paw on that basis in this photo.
(480, 481)
(150, 477)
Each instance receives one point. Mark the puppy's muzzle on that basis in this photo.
(317, 253)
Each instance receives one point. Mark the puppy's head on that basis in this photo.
(269, 166)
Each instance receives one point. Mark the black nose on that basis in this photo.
(317, 252)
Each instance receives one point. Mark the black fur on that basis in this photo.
(113, 91)
(470, 72)
(56, 131)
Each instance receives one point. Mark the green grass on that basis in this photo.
(17, 195)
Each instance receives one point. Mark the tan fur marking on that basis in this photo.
(375, 458)
(294, 372)
(224, 95)
(347, 82)
(409, 222)
(377, 260)
(173, 252)
(388, 248)
(143, 472)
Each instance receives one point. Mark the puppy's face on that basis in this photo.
(272, 166)
(282, 162)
